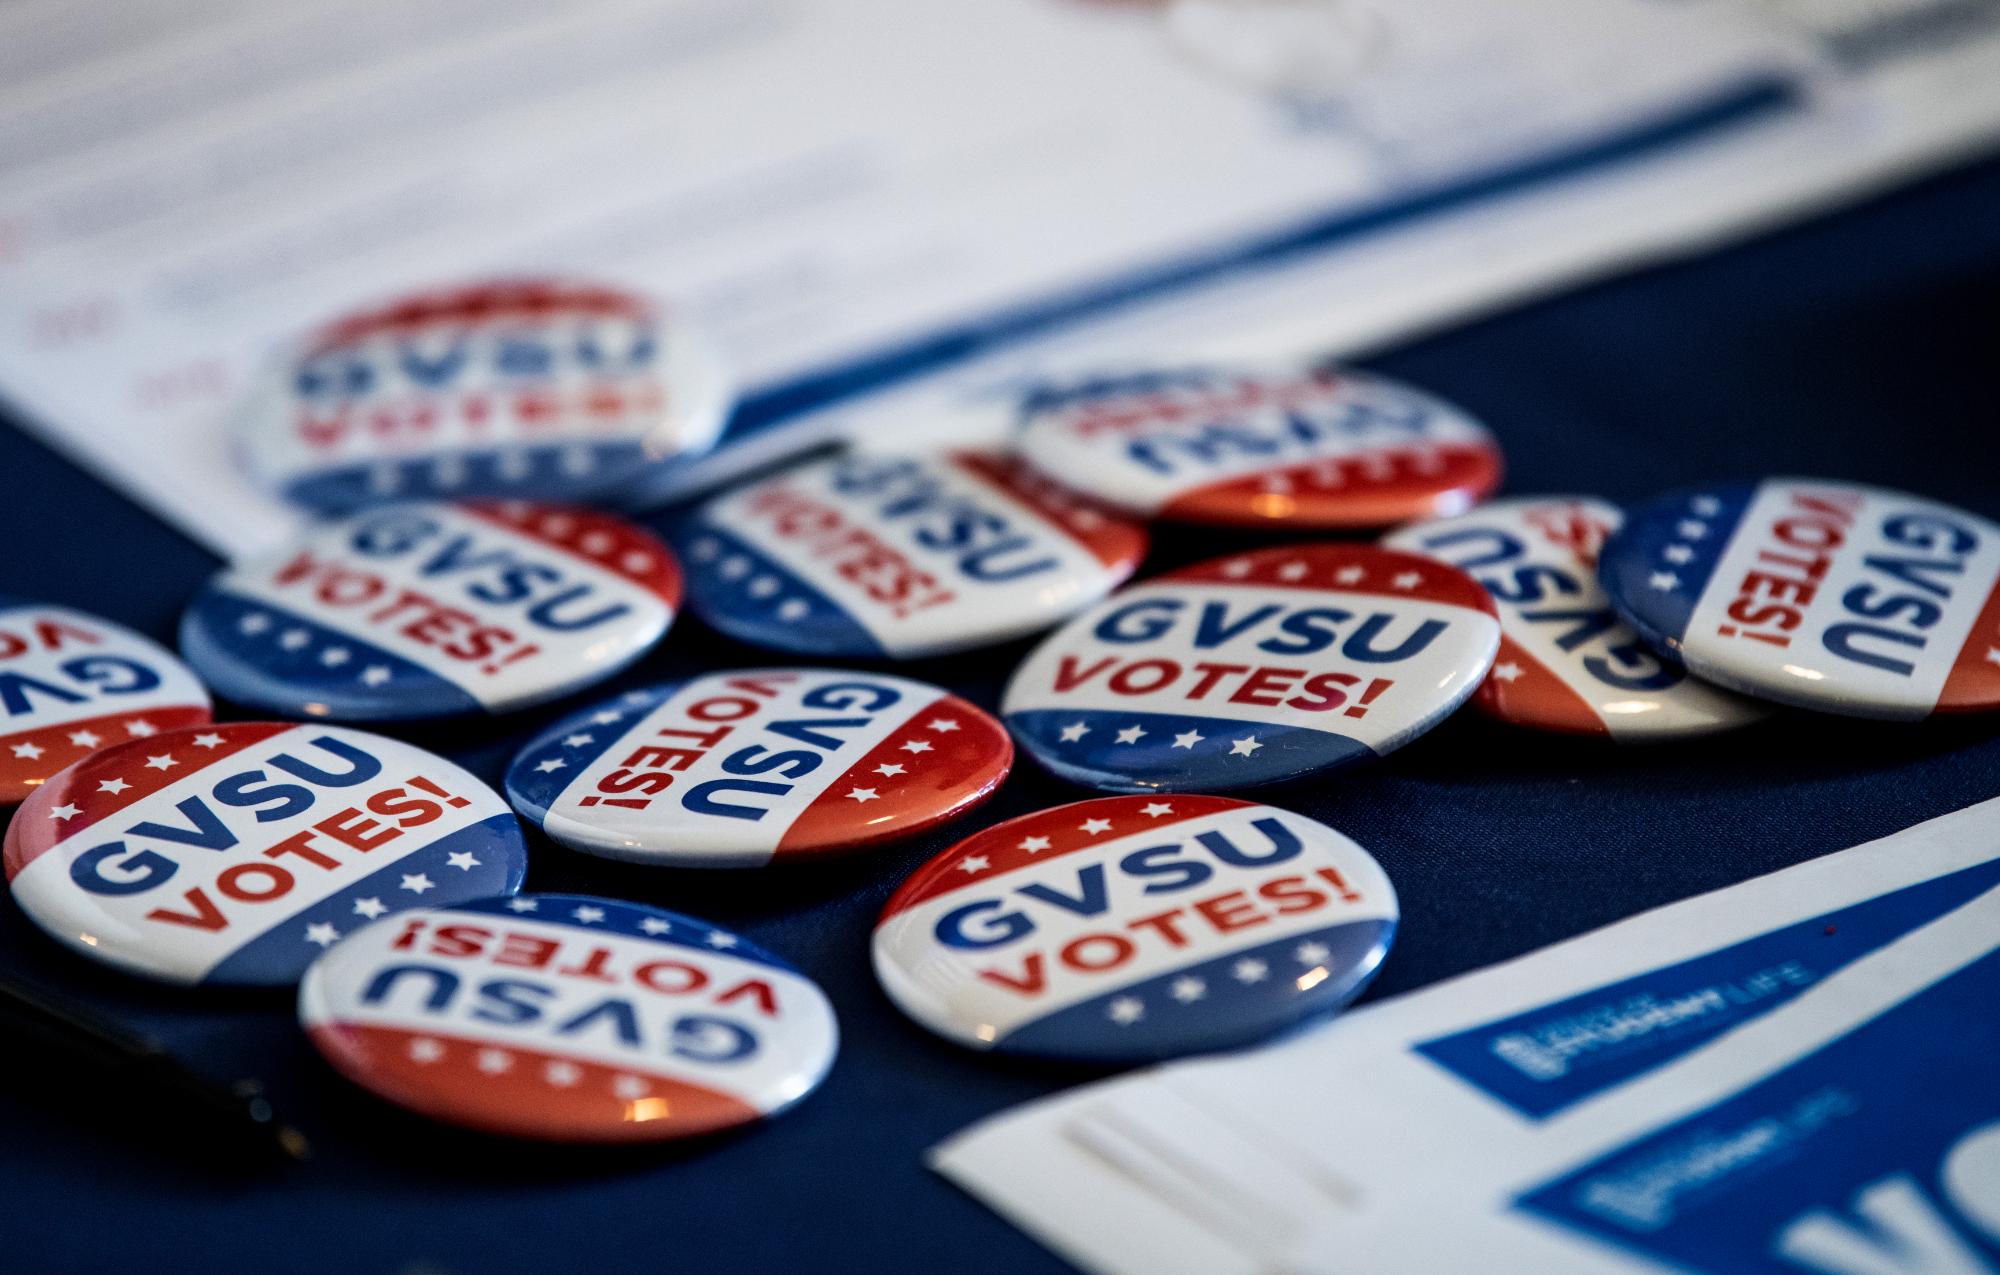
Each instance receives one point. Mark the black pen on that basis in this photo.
(136, 1085)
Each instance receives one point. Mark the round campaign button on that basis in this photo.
(1824, 595)
(1567, 663)
(71, 682)
(569, 1019)
(1254, 669)
(734, 770)
(429, 610)
(547, 390)
(233, 854)
(1134, 928)
(866, 556)
(1299, 448)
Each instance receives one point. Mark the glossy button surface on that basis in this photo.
(1296, 448)
(538, 389)
(903, 556)
(429, 610)
(740, 769)
(1567, 663)
(566, 1018)
(1253, 669)
(1825, 595)
(233, 854)
(1133, 928)
(72, 682)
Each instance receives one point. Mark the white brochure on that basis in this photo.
(1272, 1159)
(848, 195)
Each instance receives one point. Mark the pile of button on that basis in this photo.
(474, 454)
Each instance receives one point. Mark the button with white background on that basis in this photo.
(72, 682)
(555, 390)
(566, 1018)
(746, 768)
(1253, 669)
(1133, 928)
(1824, 595)
(431, 610)
(1291, 448)
(1567, 663)
(905, 556)
(233, 854)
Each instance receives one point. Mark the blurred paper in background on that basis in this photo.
(892, 197)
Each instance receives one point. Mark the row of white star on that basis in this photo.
(1187, 989)
(588, 914)
(974, 863)
(449, 471)
(598, 543)
(162, 762)
(326, 934)
(1352, 574)
(557, 1072)
(296, 638)
(1680, 554)
(736, 566)
(1075, 731)
(137, 728)
(1373, 466)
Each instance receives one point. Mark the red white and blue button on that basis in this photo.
(1254, 669)
(234, 854)
(1825, 595)
(740, 769)
(429, 610)
(1567, 663)
(866, 556)
(1134, 928)
(1298, 447)
(72, 683)
(536, 389)
(566, 1018)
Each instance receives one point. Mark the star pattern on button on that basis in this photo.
(1249, 969)
(1507, 671)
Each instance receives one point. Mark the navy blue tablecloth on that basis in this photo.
(1864, 346)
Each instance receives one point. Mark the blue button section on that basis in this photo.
(1552, 1057)
(1850, 1154)
(657, 925)
(270, 658)
(1657, 565)
(573, 472)
(553, 759)
(1231, 1001)
(1174, 752)
(749, 596)
(491, 858)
